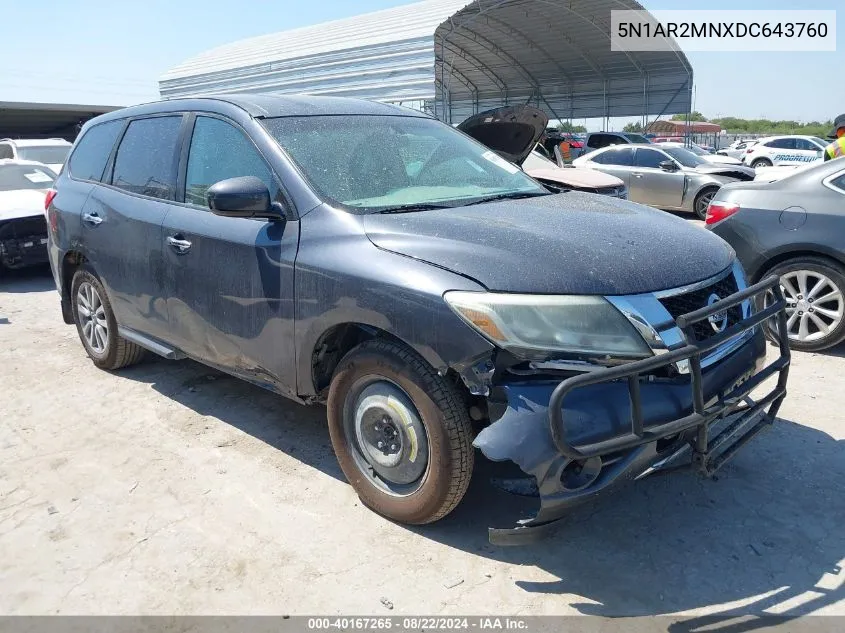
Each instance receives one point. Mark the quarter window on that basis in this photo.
(839, 183)
(220, 151)
(146, 158)
(92, 152)
(6, 151)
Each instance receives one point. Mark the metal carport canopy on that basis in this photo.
(44, 120)
(555, 54)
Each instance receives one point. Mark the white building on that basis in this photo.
(454, 58)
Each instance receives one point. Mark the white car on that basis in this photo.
(784, 150)
(703, 154)
(49, 151)
(737, 149)
(23, 228)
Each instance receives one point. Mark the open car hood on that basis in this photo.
(511, 131)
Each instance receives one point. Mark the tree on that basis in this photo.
(567, 126)
(694, 116)
(633, 127)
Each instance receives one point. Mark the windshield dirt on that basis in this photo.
(370, 164)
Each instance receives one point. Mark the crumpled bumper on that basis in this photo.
(590, 433)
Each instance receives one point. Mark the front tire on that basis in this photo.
(96, 325)
(814, 289)
(401, 433)
(761, 162)
(702, 201)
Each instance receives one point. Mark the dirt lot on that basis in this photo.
(169, 488)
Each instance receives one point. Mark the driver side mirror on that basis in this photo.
(243, 197)
(668, 165)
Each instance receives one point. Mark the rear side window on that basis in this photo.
(92, 152)
(623, 157)
(220, 151)
(782, 143)
(146, 158)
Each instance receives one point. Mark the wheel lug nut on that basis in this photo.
(800, 312)
(812, 310)
(393, 447)
(380, 444)
(800, 297)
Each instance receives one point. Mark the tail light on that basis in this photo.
(749, 150)
(48, 199)
(718, 211)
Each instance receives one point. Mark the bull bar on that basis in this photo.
(706, 457)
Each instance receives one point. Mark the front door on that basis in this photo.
(121, 221)
(651, 184)
(229, 281)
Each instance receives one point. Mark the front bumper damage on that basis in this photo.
(23, 242)
(590, 433)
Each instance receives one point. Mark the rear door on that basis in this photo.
(650, 184)
(230, 280)
(121, 221)
(618, 162)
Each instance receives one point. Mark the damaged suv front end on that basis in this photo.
(589, 392)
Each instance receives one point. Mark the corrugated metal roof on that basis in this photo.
(458, 56)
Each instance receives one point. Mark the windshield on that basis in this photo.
(14, 177)
(822, 144)
(49, 154)
(373, 163)
(684, 156)
(637, 138)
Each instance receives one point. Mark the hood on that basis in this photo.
(575, 177)
(512, 131)
(570, 243)
(740, 172)
(21, 203)
(721, 159)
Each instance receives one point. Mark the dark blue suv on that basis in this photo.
(429, 292)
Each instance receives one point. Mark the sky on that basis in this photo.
(112, 53)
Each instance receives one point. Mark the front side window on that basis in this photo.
(14, 177)
(374, 163)
(92, 152)
(220, 151)
(145, 163)
(782, 143)
(649, 158)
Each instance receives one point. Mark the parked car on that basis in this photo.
(512, 132)
(793, 228)
(670, 178)
(23, 231)
(703, 154)
(49, 151)
(554, 137)
(784, 150)
(428, 291)
(737, 149)
(597, 140)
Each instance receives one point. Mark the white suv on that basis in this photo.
(49, 151)
(784, 150)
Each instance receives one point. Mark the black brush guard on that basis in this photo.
(709, 454)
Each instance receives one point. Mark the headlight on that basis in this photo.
(527, 324)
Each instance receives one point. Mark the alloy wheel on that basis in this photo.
(92, 318)
(815, 305)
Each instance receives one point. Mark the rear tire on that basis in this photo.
(821, 302)
(372, 381)
(96, 325)
(761, 162)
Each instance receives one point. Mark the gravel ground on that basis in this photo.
(169, 488)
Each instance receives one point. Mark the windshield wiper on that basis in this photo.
(411, 208)
(514, 195)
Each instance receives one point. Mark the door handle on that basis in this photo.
(180, 245)
(92, 218)
(637, 174)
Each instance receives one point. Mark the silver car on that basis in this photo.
(670, 178)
